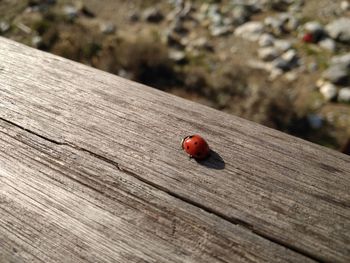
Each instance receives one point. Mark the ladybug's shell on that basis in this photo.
(195, 146)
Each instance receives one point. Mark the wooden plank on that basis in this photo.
(284, 189)
(60, 204)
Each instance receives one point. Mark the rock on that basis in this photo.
(274, 25)
(315, 121)
(266, 40)
(250, 30)
(153, 15)
(4, 27)
(329, 91)
(290, 56)
(328, 44)
(345, 5)
(268, 53)
(134, 16)
(320, 83)
(341, 59)
(177, 56)
(339, 30)
(275, 73)
(240, 14)
(337, 74)
(107, 28)
(281, 64)
(313, 27)
(344, 95)
(314, 30)
(203, 43)
(282, 45)
(291, 76)
(70, 11)
(291, 24)
(220, 30)
(36, 41)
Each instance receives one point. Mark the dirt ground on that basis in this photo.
(220, 75)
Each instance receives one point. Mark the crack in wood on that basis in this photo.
(232, 220)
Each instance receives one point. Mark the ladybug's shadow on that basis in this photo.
(214, 161)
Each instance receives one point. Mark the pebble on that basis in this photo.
(36, 41)
(177, 56)
(339, 29)
(266, 40)
(337, 74)
(290, 56)
(345, 5)
(70, 11)
(329, 91)
(241, 14)
(274, 25)
(153, 15)
(344, 95)
(315, 121)
(342, 59)
(107, 28)
(250, 30)
(268, 53)
(282, 45)
(328, 44)
(281, 63)
(4, 26)
(313, 27)
(220, 30)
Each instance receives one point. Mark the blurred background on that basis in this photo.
(282, 63)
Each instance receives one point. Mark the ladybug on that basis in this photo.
(195, 146)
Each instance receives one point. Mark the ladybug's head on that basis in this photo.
(184, 139)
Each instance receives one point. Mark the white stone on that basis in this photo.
(107, 28)
(268, 53)
(250, 30)
(329, 91)
(339, 29)
(344, 95)
(266, 40)
(282, 45)
(4, 26)
(289, 56)
(36, 41)
(345, 5)
(328, 44)
(313, 27)
(341, 59)
(320, 83)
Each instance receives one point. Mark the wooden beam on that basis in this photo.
(289, 193)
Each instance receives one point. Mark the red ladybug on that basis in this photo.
(195, 146)
(308, 38)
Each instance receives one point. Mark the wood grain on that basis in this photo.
(60, 204)
(284, 190)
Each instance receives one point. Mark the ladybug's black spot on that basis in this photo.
(196, 143)
(188, 147)
(190, 137)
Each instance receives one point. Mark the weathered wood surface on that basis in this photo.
(91, 170)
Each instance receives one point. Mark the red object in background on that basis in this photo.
(308, 38)
(196, 147)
